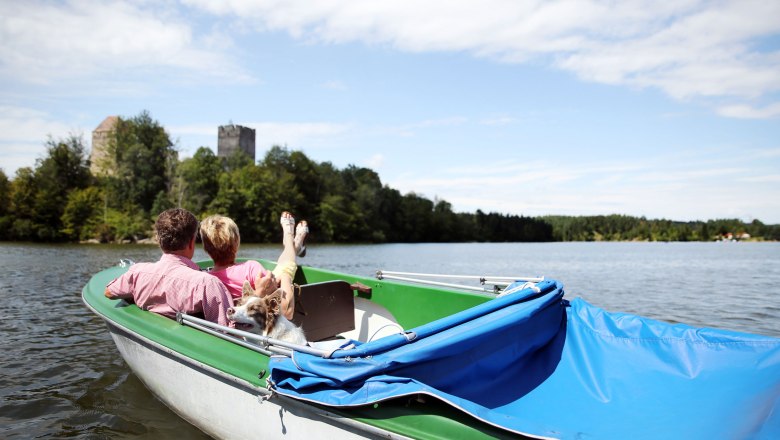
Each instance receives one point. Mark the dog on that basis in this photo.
(263, 316)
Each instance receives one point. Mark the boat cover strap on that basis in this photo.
(534, 364)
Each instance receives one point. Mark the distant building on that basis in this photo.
(98, 158)
(233, 138)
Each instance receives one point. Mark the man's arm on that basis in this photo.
(122, 287)
(216, 301)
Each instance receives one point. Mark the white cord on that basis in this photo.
(380, 329)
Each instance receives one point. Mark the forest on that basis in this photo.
(61, 200)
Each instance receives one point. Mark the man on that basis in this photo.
(174, 283)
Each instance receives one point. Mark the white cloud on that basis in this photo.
(769, 152)
(744, 111)
(193, 130)
(657, 188)
(375, 162)
(699, 50)
(19, 154)
(24, 132)
(688, 48)
(689, 175)
(411, 129)
(768, 178)
(45, 42)
(20, 124)
(296, 134)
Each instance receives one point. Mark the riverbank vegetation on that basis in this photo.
(61, 200)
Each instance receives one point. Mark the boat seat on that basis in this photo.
(372, 321)
(323, 310)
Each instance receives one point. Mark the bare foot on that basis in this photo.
(301, 231)
(288, 222)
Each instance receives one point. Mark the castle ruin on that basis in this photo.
(98, 157)
(233, 138)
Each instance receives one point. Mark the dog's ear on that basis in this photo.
(273, 301)
(246, 289)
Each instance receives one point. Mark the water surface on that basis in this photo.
(62, 377)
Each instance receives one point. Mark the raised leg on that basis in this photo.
(286, 265)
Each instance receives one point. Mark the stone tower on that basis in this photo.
(98, 156)
(235, 137)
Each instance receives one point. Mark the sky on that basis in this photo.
(662, 109)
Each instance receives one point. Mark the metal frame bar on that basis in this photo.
(492, 280)
(433, 283)
(269, 346)
(470, 277)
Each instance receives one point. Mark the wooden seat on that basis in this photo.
(324, 309)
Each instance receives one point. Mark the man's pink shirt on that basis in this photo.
(174, 283)
(233, 277)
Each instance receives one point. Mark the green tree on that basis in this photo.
(360, 197)
(6, 219)
(60, 200)
(144, 161)
(416, 218)
(447, 225)
(83, 214)
(254, 196)
(23, 194)
(5, 194)
(301, 179)
(128, 224)
(64, 169)
(162, 201)
(197, 181)
(237, 160)
(388, 209)
(307, 182)
(335, 223)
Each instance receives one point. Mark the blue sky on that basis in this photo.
(646, 108)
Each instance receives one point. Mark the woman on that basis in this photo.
(221, 240)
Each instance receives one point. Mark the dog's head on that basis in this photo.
(256, 314)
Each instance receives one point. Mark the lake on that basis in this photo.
(62, 376)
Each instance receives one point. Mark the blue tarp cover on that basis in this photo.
(535, 364)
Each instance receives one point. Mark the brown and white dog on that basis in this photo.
(263, 316)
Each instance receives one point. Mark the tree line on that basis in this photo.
(61, 200)
(626, 228)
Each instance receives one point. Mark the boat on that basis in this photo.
(393, 357)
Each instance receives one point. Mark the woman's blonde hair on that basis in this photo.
(220, 238)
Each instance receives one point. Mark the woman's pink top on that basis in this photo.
(234, 276)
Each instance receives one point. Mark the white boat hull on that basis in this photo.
(226, 407)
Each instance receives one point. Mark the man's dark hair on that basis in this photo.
(175, 228)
